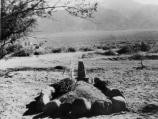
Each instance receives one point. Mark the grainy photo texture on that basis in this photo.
(87, 59)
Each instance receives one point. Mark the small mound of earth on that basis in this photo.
(84, 90)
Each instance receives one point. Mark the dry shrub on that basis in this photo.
(152, 57)
(22, 53)
(13, 48)
(71, 49)
(145, 46)
(105, 48)
(10, 48)
(154, 48)
(37, 53)
(137, 56)
(57, 50)
(85, 49)
(136, 47)
(125, 50)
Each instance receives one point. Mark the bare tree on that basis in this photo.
(18, 17)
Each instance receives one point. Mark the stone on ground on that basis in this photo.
(52, 108)
(65, 109)
(47, 94)
(45, 97)
(88, 91)
(116, 92)
(81, 107)
(118, 104)
(101, 107)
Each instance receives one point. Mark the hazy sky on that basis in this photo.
(140, 1)
(148, 1)
(154, 2)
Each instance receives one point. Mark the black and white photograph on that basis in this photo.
(79, 59)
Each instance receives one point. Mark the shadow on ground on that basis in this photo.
(56, 68)
(149, 108)
(32, 110)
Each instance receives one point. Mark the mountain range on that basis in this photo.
(110, 15)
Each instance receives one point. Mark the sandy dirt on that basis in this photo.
(20, 87)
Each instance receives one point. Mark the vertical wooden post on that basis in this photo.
(81, 72)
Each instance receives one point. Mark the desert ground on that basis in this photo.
(22, 78)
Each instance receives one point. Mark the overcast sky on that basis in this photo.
(106, 2)
(148, 1)
(154, 2)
